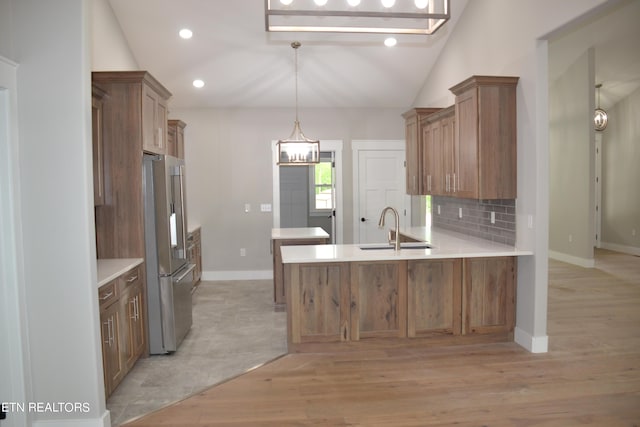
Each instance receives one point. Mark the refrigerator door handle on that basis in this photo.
(184, 219)
(188, 270)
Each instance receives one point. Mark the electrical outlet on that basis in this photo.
(530, 221)
(247, 207)
(459, 212)
(243, 252)
(570, 238)
(493, 217)
(438, 209)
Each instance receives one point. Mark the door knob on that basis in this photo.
(363, 219)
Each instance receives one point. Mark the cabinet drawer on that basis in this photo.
(108, 294)
(132, 277)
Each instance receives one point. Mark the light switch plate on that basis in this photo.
(265, 207)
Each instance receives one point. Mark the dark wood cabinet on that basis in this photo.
(414, 148)
(443, 301)
(438, 155)
(128, 126)
(123, 330)
(175, 138)
(318, 301)
(378, 299)
(279, 296)
(489, 289)
(434, 297)
(486, 138)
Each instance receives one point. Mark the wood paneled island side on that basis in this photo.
(462, 290)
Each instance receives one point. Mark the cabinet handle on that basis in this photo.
(454, 182)
(110, 337)
(132, 279)
(106, 296)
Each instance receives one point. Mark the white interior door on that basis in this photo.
(381, 183)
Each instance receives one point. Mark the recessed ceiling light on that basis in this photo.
(320, 2)
(390, 42)
(185, 33)
(286, 2)
(421, 4)
(198, 83)
(353, 3)
(388, 3)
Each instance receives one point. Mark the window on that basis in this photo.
(321, 187)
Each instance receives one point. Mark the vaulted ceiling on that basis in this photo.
(245, 66)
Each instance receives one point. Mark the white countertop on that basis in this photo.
(445, 245)
(110, 268)
(298, 233)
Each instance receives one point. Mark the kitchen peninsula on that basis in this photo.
(459, 290)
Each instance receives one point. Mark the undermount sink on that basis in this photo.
(403, 245)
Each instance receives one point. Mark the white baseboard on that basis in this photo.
(581, 262)
(539, 344)
(238, 275)
(631, 250)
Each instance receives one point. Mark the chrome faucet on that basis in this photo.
(395, 242)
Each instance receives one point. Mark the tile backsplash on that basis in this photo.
(476, 217)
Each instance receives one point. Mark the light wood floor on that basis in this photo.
(590, 376)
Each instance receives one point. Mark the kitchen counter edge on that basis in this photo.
(445, 245)
(111, 268)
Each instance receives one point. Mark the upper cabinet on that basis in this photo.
(486, 138)
(134, 121)
(175, 138)
(154, 118)
(414, 148)
(438, 155)
(469, 149)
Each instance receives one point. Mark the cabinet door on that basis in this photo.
(317, 302)
(434, 297)
(412, 153)
(449, 172)
(132, 310)
(489, 295)
(466, 150)
(378, 299)
(113, 365)
(433, 175)
(154, 121)
(134, 300)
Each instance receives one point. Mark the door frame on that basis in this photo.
(13, 327)
(334, 146)
(358, 145)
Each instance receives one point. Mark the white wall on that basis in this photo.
(229, 164)
(572, 167)
(496, 37)
(620, 177)
(110, 50)
(57, 249)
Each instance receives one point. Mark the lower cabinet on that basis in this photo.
(194, 254)
(318, 304)
(378, 299)
(448, 299)
(111, 337)
(123, 326)
(489, 295)
(434, 297)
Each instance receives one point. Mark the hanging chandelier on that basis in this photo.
(423, 17)
(297, 149)
(600, 119)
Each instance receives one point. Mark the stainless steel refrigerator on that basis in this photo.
(169, 276)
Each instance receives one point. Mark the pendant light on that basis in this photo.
(600, 118)
(297, 149)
